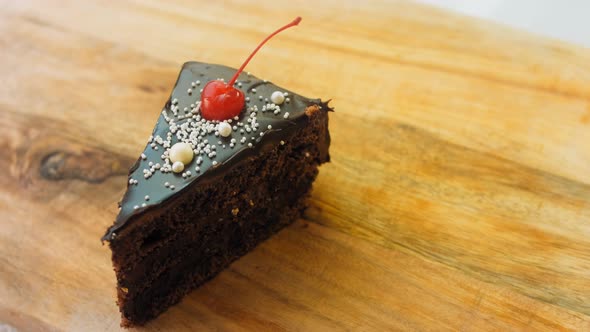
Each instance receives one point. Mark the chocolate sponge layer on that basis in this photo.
(176, 246)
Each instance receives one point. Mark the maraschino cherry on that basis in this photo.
(220, 101)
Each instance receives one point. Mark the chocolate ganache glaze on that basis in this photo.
(261, 123)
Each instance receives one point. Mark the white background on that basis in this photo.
(568, 20)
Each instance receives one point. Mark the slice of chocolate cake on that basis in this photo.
(205, 192)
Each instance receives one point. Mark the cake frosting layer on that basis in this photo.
(152, 180)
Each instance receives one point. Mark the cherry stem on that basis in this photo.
(292, 24)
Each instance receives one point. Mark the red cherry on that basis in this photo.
(220, 101)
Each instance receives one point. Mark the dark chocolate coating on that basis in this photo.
(226, 158)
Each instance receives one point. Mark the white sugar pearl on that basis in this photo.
(277, 97)
(177, 167)
(181, 152)
(224, 129)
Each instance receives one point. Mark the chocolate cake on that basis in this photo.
(235, 183)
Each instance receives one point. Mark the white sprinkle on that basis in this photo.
(136, 207)
(224, 129)
(253, 90)
(181, 152)
(214, 162)
(261, 134)
(189, 91)
(143, 156)
(143, 205)
(288, 100)
(150, 164)
(198, 82)
(269, 127)
(172, 187)
(147, 197)
(166, 184)
(277, 97)
(197, 169)
(177, 167)
(249, 145)
(286, 115)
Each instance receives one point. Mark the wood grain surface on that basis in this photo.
(458, 196)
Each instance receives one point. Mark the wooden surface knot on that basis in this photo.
(92, 166)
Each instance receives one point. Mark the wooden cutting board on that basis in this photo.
(458, 196)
